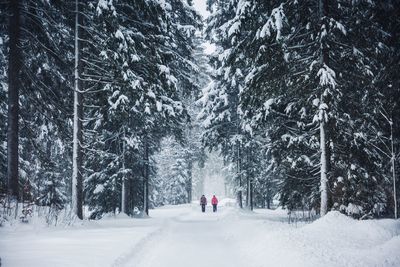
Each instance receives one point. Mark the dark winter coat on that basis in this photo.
(203, 200)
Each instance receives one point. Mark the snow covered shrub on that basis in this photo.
(352, 210)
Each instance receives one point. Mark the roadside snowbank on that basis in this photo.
(334, 240)
(90, 243)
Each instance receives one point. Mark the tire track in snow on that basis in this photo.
(135, 254)
(192, 239)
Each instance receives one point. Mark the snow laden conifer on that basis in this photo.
(172, 180)
(185, 147)
(231, 27)
(308, 67)
(43, 92)
(149, 49)
(220, 99)
(303, 103)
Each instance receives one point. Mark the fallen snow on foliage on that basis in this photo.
(183, 236)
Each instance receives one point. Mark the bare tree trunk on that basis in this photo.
(14, 69)
(131, 198)
(268, 197)
(393, 168)
(247, 190)
(323, 5)
(77, 183)
(123, 189)
(324, 177)
(247, 179)
(238, 169)
(146, 177)
(249, 193)
(190, 181)
(251, 196)
(250, 175)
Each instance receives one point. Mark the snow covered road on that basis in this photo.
(192, 239)
(181, 235)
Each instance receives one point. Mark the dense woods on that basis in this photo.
(110, 105)
(304, 101)
(98, 86)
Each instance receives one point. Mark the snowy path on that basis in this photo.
(192, 239)
(178, 236)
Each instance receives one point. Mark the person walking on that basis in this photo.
(203, 203)
(214, 202)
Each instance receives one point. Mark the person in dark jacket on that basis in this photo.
(203, 203)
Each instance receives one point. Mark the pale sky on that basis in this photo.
(200, 6)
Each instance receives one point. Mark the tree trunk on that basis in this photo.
(131, 194)
(249, 193)
(247, 190)
(77, 183)
(393, 154)
(146, 177)
(238, 168)
(247, 179)
(190, 181)
(251, 196)
(268, 197)
(323, 5)
(124, 187)
(250, 177)
(14, 69)
(324, 177)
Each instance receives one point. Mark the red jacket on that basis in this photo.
(214, 201)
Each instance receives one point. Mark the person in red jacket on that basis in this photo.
(203, 203)
(214, 202)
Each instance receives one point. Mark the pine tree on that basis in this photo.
(220, 100)
(301, 61)
(142, 101)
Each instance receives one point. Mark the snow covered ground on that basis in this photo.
(183, 236)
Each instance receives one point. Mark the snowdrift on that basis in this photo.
(333, 240)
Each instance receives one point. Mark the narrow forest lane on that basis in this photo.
(234, 238)
(191, 239)
(175, 236)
